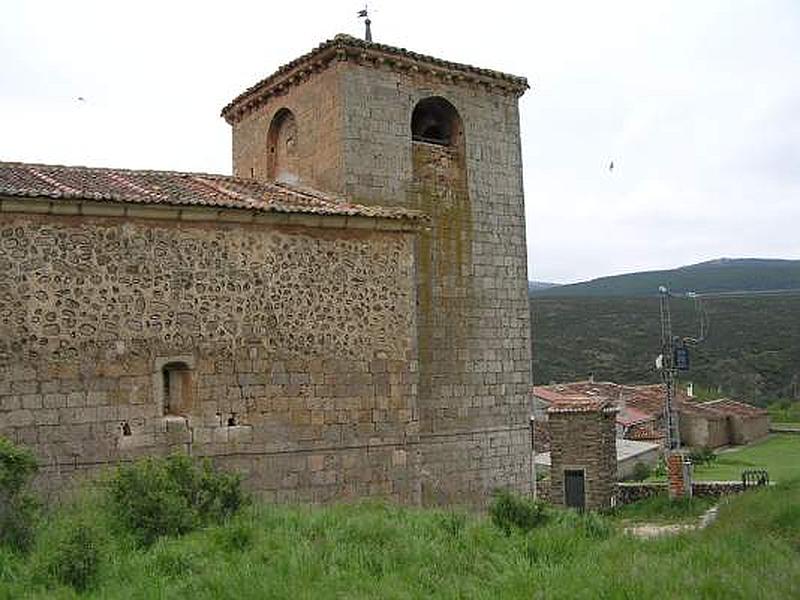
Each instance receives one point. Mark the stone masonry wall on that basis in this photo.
(587, 441)
(300, 345)
(316, 106)
(473, 318)
(474, 326)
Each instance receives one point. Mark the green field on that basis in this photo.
(374, 550)
(779, 454)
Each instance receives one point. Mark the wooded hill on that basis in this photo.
(752, 350)
(715, 276)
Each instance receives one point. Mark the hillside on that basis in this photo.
(716, 276)
(541, 285)
(752, 350)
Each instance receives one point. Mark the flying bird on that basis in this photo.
(81, 99)
(611, 166)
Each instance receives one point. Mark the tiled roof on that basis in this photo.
(571, 404)
(648, 399)
(732, 407)
(638, 402)
(546, 393)
(178, 189)
(629, 416)
(646, 434)
(345, 45)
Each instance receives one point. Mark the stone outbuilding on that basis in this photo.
(629, 454)
(583, 455)
(746, 423)
(702, 427)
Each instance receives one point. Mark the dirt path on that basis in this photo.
(652, 530)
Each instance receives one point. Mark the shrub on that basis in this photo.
(702, 456)
(73, 557)
(453, 522)
(236, 537)
(18, 508)
(640, 472)
(510, 511)
(171, 496)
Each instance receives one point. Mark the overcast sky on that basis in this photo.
(697, 104)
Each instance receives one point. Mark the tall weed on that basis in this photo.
(18, 508)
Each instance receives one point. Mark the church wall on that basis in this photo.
(474, 327)
(317, 109)
(299, 344)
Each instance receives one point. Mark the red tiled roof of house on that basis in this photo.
(588, 389)
(732, 407)
(54, 182)
(698, 409)
(641, 434)
(546, 393)
(344, 47)
(570, 404)
(648, 399)
(629, 416)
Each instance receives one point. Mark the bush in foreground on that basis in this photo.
(18, 508)
(155, 497)
(509, 511)
(71, 555)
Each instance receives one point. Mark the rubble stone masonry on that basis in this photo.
(586, 441)
(298, 346)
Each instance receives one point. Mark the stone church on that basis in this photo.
(345, 316)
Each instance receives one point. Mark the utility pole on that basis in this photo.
(675, 358)
(668, 372)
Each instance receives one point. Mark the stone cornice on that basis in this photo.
(346, 48)
(196, 214)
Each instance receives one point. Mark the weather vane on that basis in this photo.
(364, 14)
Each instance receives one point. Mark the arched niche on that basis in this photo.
(436, 121)
(438, 153)
(282, 147)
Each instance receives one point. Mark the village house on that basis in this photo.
(640, 415)
(344, 316)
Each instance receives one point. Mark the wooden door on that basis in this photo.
(574, 489)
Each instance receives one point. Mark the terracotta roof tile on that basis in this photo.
(727, 406)
(571, 404)
(179, 189)
(629, 416)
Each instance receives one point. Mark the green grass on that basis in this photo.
(375, 550)
(660, 509)
(785, 411)
(778, 453)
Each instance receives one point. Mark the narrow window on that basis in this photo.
(282, 147)
(176, 382)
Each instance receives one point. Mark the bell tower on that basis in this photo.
(382, 125)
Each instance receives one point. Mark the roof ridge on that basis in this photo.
(14, 163)
(176, 188)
